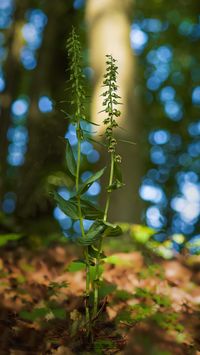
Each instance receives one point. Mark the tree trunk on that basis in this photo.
(109, 33)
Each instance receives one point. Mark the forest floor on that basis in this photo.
(150, 306)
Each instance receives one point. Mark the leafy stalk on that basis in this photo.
(76, 78)
(82, 228)
(110, 101)
(77, 207)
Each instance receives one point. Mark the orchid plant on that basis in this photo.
(79, 207)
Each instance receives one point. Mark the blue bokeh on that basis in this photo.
(45, 104)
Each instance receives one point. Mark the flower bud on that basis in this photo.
(111, 149)
(118, 158)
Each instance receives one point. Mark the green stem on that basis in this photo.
(110, 183)
(96, 286)
(87, 312)
(74, 52)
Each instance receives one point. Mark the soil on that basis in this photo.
(149, 305)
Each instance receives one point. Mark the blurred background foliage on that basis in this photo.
(164, 37)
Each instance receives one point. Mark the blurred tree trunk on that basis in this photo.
(45, 149)
(109, 33)
(45, 153)
(11, 69)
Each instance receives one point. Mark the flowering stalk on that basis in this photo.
(78, 207)
(78, 93)
(111, 102)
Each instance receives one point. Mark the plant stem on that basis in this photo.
(78, 92)
(112, 160)
(87, 312)
(96, 287)
(109, 192)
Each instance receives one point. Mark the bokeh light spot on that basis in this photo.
(20, 107)
(94, 189)
(45, 104)
(78, 4)
(93, 156)
(159, 137)
(28, 59)
(196, 96)
(138, 38)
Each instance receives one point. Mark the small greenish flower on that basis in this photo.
(76, 79)
(111, 102)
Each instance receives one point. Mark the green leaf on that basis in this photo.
(106, 288)
(93, 252)
(84, 187)
(35, 314)
(96, 229)
(76, 265)
(112, 230)
(5, 238)
(91, 122)
(103, 344)
(161, 300)
(93, 275)
(58, 313)
(141, 233)
(117, 260)
(124, 316)
(54, 288)
(67, 114)
(142, 293)
(68, 207)
(90, 211)
(71, 163)
(125, 141)
(93, 234)
(123, 295)
(117, 180)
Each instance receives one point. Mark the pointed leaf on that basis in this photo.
(5, 238)
(96, 229)
(70, 117)
(34, 314)
(142, 233)
(94, 233)
(93, 274)
(58, 313)
(92, 123)
(84, 241)
(90, 211)
(76, 265)
(116, 259)
(93, 252)
(106, 288)
(68, 207)
(85, 186)
(112, 230)
(125, 141)
(71, 163)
